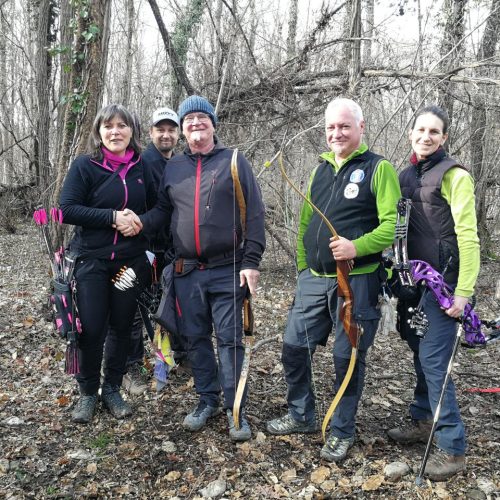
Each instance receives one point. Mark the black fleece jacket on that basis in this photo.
(86, 205)
(196, 201)
(159, 241)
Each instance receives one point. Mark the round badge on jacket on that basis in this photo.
(357, 176)
(351, 191)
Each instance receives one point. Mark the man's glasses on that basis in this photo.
(201, 117)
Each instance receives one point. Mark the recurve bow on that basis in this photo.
(248, 325)
(352, 329)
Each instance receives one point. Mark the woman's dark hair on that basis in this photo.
(106, 114)
(436, 111)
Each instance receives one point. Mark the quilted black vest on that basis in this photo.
(347, 200)
(431, 232)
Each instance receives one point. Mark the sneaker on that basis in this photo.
(335, 449)
(84, 409)
(243, 433)
(195, 420)
(114, 402)
(417, 432)
(441, 465)
(288, 425)
(136, 380)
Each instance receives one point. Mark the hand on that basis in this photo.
(342, 249)
(457, 309)
(128, 223)
(251, 278)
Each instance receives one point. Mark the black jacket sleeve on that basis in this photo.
(76, 190)
(160, 215)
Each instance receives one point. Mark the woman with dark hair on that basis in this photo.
(99, 186)
(443, 233)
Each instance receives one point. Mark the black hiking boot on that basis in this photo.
(84, 409)
(113, 401)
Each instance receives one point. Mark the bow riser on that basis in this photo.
(422, 272)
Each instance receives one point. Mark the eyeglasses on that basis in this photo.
(202, 118)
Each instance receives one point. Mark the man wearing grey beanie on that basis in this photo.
(217, 259)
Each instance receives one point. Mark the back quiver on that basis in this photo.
(66, 321)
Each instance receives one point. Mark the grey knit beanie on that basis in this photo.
(196, 103)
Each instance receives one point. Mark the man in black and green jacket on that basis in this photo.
(358, 191)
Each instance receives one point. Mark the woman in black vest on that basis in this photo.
(442, 232)
(97, 188)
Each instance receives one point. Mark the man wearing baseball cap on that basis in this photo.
(164, 135)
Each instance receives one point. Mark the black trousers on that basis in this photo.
(102, 305)
(136, 342)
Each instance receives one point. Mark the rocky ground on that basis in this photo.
(44, 455)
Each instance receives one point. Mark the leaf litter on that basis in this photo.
(45, 455)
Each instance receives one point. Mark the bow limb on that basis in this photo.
(353, 332)
(340, 392)
(248, 324)
(305, 198)
(352, 329)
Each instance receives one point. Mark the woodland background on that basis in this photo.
(271, 68)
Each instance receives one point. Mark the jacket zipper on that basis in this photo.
(115, 239)
(318, 232)
(197, 208)
(212, 185)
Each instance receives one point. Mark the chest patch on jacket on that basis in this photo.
(357, 176)
(351, 191)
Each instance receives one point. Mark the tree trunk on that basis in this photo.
(65, 56)
(72, 111)
(483, 167)
(177, 64)
(451, 51)
(42, 64)
(86, 84)
(95, 68)
(127, 77)
(368, 31)
(354, 66)
(292, 29)
(5, 164)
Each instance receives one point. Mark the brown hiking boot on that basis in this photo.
(418, 432)
(441, 465)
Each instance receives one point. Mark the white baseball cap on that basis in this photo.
(164, 114)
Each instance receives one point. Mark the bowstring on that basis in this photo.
(335, 290)
(235, 309)
(319, 403)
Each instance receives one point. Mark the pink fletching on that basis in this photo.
(78, 325)
(58, 323)
(56, 215)
(43, 216)
(65, 303)
(160, 356)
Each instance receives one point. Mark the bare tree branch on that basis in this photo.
(180, 71)
(247, 43)
(15, 143)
